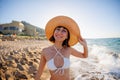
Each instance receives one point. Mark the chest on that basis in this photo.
(58, 58)
(53, 54)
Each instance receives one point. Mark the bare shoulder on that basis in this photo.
(71, 49)
(46, 50)
(68, 50)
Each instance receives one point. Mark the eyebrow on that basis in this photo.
(61, 27)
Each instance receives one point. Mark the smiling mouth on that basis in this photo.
(57, 36)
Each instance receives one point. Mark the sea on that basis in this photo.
(103, 62)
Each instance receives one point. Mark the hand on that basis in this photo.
(82, 42)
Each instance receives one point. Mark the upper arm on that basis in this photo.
(76, 53)
(42, 61)
(41, 66)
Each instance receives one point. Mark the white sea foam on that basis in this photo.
(106, 57)
(101, 63)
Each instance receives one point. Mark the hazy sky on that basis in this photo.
(96, 18)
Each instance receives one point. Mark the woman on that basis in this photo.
(63, 32)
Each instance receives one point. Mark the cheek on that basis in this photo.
(65, 35)
(55, 31)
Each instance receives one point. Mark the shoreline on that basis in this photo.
(20, 60)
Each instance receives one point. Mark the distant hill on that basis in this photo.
(39, 30)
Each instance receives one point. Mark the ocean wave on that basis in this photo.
(102, 61)
(105, 56)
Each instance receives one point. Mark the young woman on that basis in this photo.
(63, 32)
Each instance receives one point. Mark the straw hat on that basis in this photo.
(66, 22)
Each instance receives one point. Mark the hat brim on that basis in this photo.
(66, 22)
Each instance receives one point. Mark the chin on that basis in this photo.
(60, 40)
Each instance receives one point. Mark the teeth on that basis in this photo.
(58, 36)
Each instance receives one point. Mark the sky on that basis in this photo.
(96, 18)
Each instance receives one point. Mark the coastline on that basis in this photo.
(19, 60)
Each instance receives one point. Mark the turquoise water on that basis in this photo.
(112, 44)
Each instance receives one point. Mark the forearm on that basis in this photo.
(85, 53)
(79, 54)
(85, 48)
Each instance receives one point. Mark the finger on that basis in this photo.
(80, 37)
(80, 40)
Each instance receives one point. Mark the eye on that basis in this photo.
(64, 30)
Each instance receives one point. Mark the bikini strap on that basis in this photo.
(57, 52)
(59, 70)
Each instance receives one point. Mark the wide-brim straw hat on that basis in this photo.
(66, 22)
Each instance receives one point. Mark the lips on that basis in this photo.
(58, 36)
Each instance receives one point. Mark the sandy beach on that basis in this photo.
(19, 60)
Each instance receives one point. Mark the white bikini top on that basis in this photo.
(60, 70)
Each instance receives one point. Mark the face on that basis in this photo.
(60, 34)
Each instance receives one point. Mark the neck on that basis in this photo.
(58, 45)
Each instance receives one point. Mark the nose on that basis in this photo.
(59, 32)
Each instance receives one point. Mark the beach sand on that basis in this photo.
(19, 60)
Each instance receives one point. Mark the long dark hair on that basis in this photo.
(66, 41)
